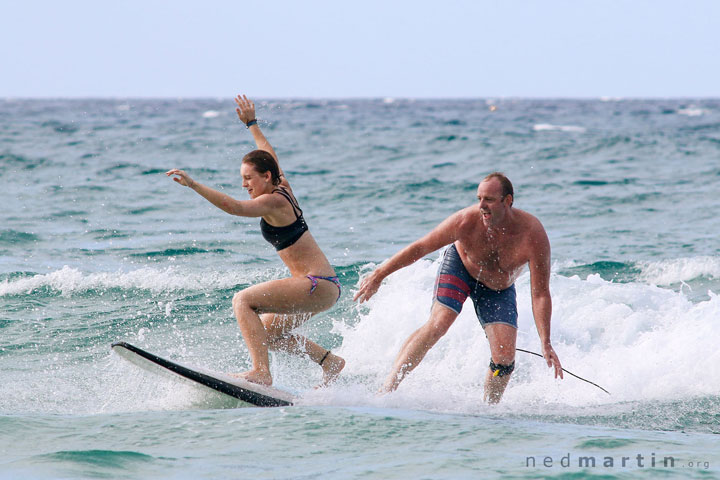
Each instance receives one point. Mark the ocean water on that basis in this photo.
(97, 246)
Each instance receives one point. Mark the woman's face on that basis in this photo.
(254, 182)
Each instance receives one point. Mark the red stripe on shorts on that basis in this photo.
(450, 293)
(455, 281)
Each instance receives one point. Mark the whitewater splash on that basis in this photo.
(639, 341)
(679, 270)
(546, 127)
(68, 281)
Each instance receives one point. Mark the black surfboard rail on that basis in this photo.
(244, 394)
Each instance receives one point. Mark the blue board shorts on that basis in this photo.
(454, 284)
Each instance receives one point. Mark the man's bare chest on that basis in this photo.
(494, 255)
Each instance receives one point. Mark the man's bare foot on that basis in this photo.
(332, 366)
(255, 376)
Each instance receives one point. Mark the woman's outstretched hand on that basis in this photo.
(245, 110)
(181, 177)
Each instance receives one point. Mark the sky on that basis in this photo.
(369, 48)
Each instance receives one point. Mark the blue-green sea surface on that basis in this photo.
(97, 245)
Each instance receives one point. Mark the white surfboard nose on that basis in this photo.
(248, 392)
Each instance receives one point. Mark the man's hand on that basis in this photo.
(552, 359)
(245, 110)
(368, 286)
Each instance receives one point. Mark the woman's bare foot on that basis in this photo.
(255, 376)
(332, 366)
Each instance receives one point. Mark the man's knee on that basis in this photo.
(441, 319)
(503, 354)
(502, 339)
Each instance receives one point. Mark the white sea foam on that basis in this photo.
(71, 281)
(668, 272)
(692, 111)
(546, 127)
(639, 341)
(211, 114)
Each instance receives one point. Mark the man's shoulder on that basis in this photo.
(529, 221)
(534, 233)
(468, 217)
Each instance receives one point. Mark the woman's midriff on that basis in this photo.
(305, 258)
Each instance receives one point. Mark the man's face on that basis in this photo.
(492, 204)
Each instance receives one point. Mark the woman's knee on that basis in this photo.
(272, 326)
(241, 301)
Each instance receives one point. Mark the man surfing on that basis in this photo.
(490, 243)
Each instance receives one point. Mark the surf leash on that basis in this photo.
(566, 371)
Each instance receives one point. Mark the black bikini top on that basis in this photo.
(283, 237)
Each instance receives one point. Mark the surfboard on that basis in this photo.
(248, 392)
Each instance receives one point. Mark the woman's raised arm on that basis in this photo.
(246, 113)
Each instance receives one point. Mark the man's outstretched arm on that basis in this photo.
(443, 234)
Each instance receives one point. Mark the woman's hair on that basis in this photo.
(263, 162)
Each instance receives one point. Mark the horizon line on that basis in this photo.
(368, 97)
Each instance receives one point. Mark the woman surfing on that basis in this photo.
(268, 312)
